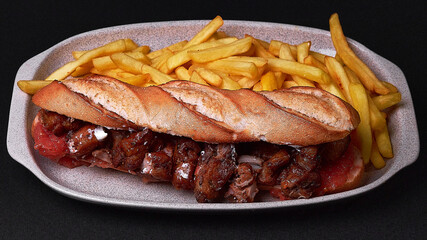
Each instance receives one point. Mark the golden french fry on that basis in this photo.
(368, 78)
(260, 50)
(103, 63)
(332, 88)
(280, 78)
(391, 87)
(339, 59)
(137, 80)
(289, 84)
(127, 63)
(312, 61)
(209, 76)
(32, 86)
(182, 57)
(182, 73)
(67, 69)
(228, 82)
(259, 62)
(157, 76)
(338, 74)
(318, 56)
(246, 69)
(140, 56)
(285, 52)
(80, 71)
(274, 47)
(130, 44)
(302, 51)
(388, 100)
(363, 131)
(378, 121)
(210, 54)
(246, 82)
(195, 77)
(302, 81)
(376, 158)
(257, 87)
(144, 49)
(299, 69)
(382, 137)
(269, 82)
(206, 32)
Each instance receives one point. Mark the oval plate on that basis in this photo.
(115, 188)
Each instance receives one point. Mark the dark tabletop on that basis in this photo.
(395, 210)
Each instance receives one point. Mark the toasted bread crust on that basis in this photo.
(299, 116)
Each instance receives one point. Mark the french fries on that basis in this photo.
(368, 78)
(215, 58)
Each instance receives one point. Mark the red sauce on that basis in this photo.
(335, 174)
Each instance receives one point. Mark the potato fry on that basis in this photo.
(246, 69)
(67, 69)
(260, 51)
(246, 82)
(289, 84)
(223, 51)
(195, 77)
(127, 63)
(206, 32)
(388, 100)
(368, 78)
(209, 76)
(80, 71)
(182, 73)
(269, 82)
(338, 74)
(32, 86)
(137, 80)
(280, 78)
(384, 143)
(312, 61)
(299, 69)
(285, 53)
(144, 49)
(140, 56)
(157, 76)
(130, 44)
(103, 63)
(228, 82)
(376, 158)
(391, 87)
(363, 131)
(257, 87)
(182, 57)
(302, 51)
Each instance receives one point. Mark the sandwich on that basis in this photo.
(223, 145)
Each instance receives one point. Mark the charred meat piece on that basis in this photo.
(130, 151)
(262, 150)
(243, 187)
(59, 124)
(185, 159)
(301, 178)
(85, 140)
(216, 165)
(272, 167)
(334, 150)
(157, 166)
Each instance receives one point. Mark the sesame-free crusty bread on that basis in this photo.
(299, 116)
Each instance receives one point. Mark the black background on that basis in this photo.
(395, 210)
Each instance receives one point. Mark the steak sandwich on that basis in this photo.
(223, 145)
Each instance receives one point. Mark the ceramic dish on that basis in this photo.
(115, 188)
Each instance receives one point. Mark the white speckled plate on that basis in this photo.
(115, 188)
